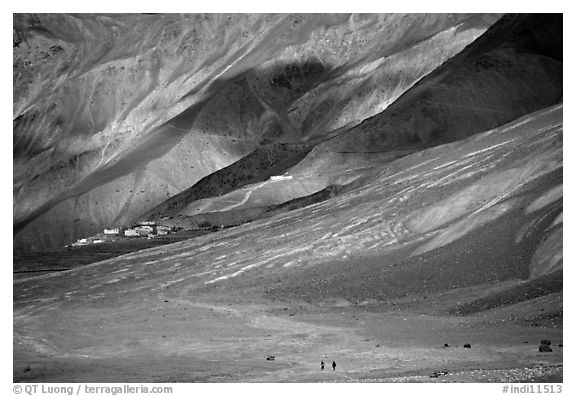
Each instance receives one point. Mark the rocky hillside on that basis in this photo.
(264, 162)
(412, 232)
(481, 217)
(115, 113)
(513, 69)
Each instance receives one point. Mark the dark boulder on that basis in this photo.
(438, 374)
(544, 348)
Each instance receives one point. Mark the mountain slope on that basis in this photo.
(441, 246)
(421, 207)
(511, 70)
(421, 204)
(115, 113)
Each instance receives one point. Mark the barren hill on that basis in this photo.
(113, 114)
(511, 70)
(413, 231)
(447, 245)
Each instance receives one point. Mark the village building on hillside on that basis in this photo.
(112, 231)
(130, 232)
(144, 230)
(278, 178)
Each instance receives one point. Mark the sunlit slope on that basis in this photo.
(115, 113)
(482, 210)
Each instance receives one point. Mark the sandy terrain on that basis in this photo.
(167, 339)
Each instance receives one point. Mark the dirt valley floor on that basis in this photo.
(169, 338)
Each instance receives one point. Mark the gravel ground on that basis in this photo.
(526, 374)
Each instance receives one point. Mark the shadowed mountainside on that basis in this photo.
(115, 113)
(513, 69)
(258, 166)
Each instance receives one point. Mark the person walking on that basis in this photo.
(334, 366)
(322, 365)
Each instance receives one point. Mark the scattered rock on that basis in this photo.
(544, 348)
(377, 345)
(545, 342)
(559, 345)
(438, 374)
(467, 346)
(270, 357)
(446, 346)
(27, 369)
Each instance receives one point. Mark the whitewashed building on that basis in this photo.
(131, 232)
(144, 230)
(80, 242)
(278, 178)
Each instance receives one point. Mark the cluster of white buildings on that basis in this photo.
(148, 228)
(143, 229)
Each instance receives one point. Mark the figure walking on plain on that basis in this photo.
(334, 366)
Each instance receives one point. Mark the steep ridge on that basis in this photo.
(258, 166)
(115, 113)
(513, 69)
